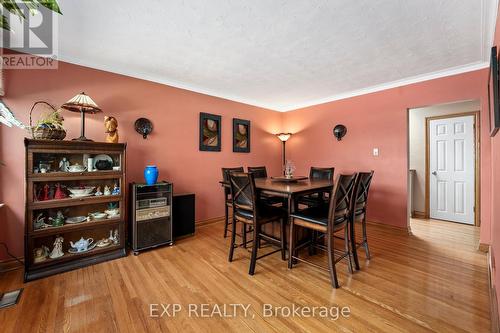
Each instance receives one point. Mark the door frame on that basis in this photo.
(477, 155)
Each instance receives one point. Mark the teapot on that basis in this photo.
(82, 245)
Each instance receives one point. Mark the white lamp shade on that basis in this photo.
(284, 136)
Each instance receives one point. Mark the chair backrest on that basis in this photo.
(243, 191)
(225, 177)
(341, 199)
(321, 173)
(361, 193)
(258, 172)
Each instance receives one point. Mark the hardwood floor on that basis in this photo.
(434, 280)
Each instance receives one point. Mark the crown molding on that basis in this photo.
(389, 85)
(290, 107)
(166, 81)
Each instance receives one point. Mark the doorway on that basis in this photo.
(443, 162)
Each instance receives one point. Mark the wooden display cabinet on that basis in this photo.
(41, 201)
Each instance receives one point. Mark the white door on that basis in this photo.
(451, 167)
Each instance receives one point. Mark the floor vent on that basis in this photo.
(10, 298)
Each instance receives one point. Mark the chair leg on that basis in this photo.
(346, 248)
(354, 248)
(365, 239)
(253, 260)
(331, 260)
(233, 240)
(312, 248)
(291, 244)
(283, 238)
(226, 219)
(244, 235)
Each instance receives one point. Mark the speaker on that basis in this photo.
(183, 213)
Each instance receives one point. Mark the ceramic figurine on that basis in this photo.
(111, 126)
(104, 242)
(63, 165)
(45, 193)
(98, 191)
(116, 190)
(114, 237)
(57, 251)
(40, 254)
(59, 194)
(82, 245)
(52, 192)
(107, 190)
(39, 223)
(58, 221)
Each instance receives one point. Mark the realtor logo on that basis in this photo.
(33, 38)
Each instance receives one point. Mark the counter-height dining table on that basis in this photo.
(291, 191)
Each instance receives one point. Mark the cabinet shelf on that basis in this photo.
(71, 227)
(63, 176)
(71, 256)
(67, 202)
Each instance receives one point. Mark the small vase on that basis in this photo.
(151, 174)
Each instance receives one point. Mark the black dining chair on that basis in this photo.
(249, 211)
(317, 199)
(258, 172)
(228, 202)
(327, 220)
(261, 172)
(358, 213)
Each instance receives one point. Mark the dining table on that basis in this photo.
(290, 191)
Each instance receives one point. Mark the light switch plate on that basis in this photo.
(375, 151)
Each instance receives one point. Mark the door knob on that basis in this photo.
(434, 173)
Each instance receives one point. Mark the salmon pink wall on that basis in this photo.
(173, 145)
(379, 120)
(495, 198)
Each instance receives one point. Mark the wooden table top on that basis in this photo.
(269, 185)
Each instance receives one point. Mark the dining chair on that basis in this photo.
(317, 199)
(258, 172)
(358, 213)
(327, 220)
(228, 202)
(261, 172)
(249, 211)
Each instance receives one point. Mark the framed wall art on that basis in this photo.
(241, 136)
(210, 132)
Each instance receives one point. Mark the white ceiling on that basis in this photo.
(279, 54)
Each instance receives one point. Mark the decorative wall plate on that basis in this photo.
(144, 127)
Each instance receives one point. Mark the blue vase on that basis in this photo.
(151, 174)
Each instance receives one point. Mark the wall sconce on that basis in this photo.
(144, 127)
(339, 131)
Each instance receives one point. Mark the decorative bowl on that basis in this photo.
(76, 168)
(99, 215)
(76, 219)
(112, 212)
(81, 191)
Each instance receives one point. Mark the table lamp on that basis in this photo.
(83, 104)
(284, 137)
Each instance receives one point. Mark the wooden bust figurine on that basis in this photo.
(111, 125)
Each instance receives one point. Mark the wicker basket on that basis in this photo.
(46, 132)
